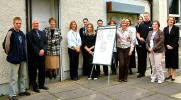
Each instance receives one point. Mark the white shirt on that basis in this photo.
(73, 39)
(133, 30)
(151, 40)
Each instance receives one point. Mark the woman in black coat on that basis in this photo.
(171, 46)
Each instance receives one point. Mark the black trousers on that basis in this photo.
(139, 55)
(105, 69)
(142, 59)
(114, 63)
(85, 70)
(37, 65)
(74, 62)
(89, 66)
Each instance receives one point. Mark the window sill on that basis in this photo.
(178, 24)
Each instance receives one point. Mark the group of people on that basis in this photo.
(43, 51)
(84, 40)
(144, 38)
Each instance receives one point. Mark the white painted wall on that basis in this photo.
(8, 10)
(77, 10)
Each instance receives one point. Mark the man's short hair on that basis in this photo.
(16, 18)
(146, 13)
(85, 19)
(100, 20)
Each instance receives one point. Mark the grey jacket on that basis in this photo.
(158, 41)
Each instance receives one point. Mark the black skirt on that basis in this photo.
(171, 58)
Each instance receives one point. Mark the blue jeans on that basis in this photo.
(17, 75)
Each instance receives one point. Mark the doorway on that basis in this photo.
(42, 10)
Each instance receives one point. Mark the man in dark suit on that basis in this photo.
(37, 46)
(82, 32)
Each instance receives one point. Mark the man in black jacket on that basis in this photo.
(37, 46)
(142, 34)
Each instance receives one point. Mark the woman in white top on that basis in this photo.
(74, 44)
(155, 47)
(132, 63)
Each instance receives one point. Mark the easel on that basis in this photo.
(94, 67)
(110, 49)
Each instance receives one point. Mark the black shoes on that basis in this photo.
(24, 94)
(36, 90)
(13, 98)
(75, 79)
(113, 73)
(54, 75)
(43, 87)
(167, 78)
(140, 75)
(170, 77)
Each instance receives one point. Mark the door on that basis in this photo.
(42, 10)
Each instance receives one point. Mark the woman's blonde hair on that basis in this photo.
(70, 27)
(123, 20)
(174, 20)
(93, 31)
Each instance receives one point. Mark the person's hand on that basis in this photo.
(150, 50)
(53, 41)
(77, 50)
(142, 39)
(41, 53)
(169, 47)
(92, 47)
(90, 52)
(130, 53)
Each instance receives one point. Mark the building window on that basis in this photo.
(174, 9)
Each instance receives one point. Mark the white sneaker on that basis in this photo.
(152, 80)
(95, 78)
(89, 78)
(159, 82)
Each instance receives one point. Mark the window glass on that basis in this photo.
(174, 7)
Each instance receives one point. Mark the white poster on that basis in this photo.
(104, 45)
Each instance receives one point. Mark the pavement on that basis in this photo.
(134, 89)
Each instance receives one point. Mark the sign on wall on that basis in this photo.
(104, 45)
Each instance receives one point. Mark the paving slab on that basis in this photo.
(115, 89)
(132, 94)
(156, 96)
(94, 97)
(74, 94)
(39, 96)
(168, 89)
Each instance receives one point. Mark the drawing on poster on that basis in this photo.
(104, 45)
